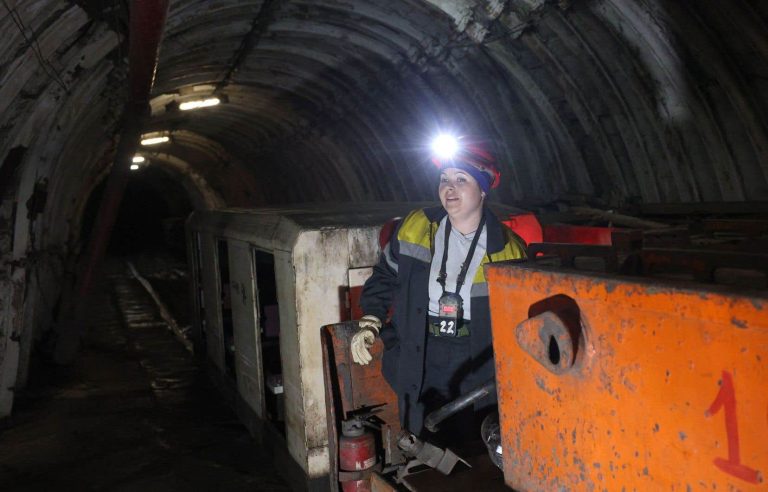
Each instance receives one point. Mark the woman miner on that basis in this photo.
(437, 345)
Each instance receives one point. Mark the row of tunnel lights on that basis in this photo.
(155, 138)
(444, 145)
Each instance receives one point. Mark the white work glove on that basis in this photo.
(363, 339)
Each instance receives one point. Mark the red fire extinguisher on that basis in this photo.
(357, 453)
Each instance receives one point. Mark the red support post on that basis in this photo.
(147, 21)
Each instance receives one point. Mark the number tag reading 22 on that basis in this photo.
(448, 327)
(449, 314)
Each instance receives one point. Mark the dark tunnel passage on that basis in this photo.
(149, 234)
(151, 216)
(134, 412)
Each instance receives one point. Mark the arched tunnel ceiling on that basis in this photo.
(330, 100)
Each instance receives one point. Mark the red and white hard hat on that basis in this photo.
(468, 154)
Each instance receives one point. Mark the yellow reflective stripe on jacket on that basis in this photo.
(417, 234)
(414, 236)
(513, 250)
(415, 229)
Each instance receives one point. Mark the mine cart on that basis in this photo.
(264, 281)
(630, 361)
(648, 379)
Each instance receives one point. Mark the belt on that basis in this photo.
(434, 329)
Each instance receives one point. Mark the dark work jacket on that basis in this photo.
(400, 280)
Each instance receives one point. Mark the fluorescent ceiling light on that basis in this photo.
(134, 167)
(138, 159)
(154, 140)
(199, 103)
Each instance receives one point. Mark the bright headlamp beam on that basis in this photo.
(134, 167)
(138, 159)
(199, 103)
(154, 140)
(445, 146)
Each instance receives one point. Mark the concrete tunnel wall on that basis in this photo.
(646, 101)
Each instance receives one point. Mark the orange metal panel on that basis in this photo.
(350, 387)
(353, 386)
(609, 383)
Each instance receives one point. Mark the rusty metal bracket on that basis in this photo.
(547, 339)
(424, 453)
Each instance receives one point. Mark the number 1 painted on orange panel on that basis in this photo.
(726, 398)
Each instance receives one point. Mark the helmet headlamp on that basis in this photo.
(464, 152)
(445, 146)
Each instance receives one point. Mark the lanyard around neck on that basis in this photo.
(464, 266)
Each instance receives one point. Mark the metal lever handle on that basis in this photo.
(450, 408)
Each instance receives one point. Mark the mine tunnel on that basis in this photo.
(194, 193)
